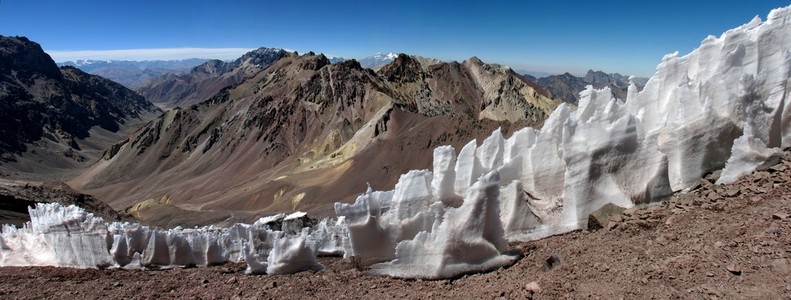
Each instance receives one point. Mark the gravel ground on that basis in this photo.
(715, 241)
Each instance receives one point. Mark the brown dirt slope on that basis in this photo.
(714, 242)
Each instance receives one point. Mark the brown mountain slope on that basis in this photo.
(207, 79)
(55, 121)
(304, 133)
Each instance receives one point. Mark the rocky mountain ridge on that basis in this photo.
(206, 79)
(55, 120)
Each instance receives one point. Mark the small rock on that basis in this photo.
(274, 284)
(773, 229)
(205, 281)
(734, 269)
(714, 176)
(709, 274)
(732, 191)
(232, 280)
(704, 182)
(780, 216)
(533, 287)
(629, 211)
(117, 284)
(777, 168)
(773, 160)
(551, 262)
(713, 197)
(601, 217)
(781, 266)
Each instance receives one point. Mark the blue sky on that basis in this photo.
(629, 37)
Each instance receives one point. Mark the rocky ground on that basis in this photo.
(716, 241)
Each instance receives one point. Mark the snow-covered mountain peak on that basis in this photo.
(378, 60)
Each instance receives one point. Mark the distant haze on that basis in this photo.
(148, 54)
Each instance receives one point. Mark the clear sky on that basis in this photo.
(629, 37)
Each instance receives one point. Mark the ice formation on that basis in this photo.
(468, 239)
(67, 236)
(721, 107)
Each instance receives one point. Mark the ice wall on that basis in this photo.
(723, 107)
(68, 236)
(467, 239)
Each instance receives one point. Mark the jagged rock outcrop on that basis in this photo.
(54, 120)
(304, 133)
(207, 79)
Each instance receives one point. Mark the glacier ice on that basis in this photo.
(68, 236)
(291, 255)
(377, 221)
(468, 239)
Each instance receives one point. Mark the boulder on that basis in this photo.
(601, 217)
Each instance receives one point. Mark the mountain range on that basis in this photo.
(378, 60)
(133, 74)
(55, 121)
(568, 87)
(205, 80)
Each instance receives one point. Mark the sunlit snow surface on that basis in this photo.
(721, 107)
